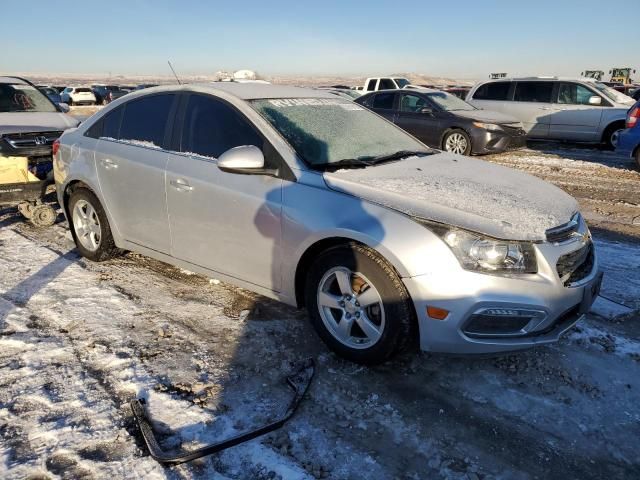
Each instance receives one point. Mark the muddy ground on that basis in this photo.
(78, 340)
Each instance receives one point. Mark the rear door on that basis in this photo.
(572, 117)
(532, 105)
(412, 118)
(131, 161)
(225, 222)
(384, 103)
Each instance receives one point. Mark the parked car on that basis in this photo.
(581, 110)
(29, 124)
(51, 93)
(107, 93)
(342, 92)
(636, 94)
(443, 121)
(384, 83)
(460, 92)
(315, 201)
(78, 96)
(629, 141)
(142, 86)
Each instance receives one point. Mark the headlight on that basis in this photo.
(479, 253)
(488, 126)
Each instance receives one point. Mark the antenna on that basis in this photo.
(174, 72)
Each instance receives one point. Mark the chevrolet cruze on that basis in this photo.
(318, 202)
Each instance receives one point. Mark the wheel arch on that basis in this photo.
(611, 126)
(450, 129)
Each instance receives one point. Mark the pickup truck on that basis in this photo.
(384, 83)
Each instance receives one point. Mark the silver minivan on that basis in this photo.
(316, 201)
(579, 109)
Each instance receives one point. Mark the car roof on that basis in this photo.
(247, 90)
(13, 80)
(541, 79)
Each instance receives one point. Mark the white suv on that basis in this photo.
(578, 109)
(78, 96)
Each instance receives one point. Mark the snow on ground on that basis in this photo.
(78, 340)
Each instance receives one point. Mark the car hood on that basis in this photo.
(24, 122)
(486, 116)
(464, 192)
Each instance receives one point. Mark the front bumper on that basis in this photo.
(489, 141)
(464, 293)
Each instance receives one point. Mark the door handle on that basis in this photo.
(546, 108)
(180, 184)
(108, 163)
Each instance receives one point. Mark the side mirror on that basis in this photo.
(595, 100)
(245, 160)
(64, 108)
(426, 110)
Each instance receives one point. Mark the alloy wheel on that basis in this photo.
(456, 143)
(87, 225)
(351, 308)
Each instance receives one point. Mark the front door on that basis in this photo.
(222, 221)
(573, 118)
(420, 118)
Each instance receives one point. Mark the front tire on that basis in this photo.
(358, 305)
(457, 141)
(612, 134)
(90, 227)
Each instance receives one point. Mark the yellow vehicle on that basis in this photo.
(622, 75)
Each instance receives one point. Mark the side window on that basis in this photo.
(493, 91)
(386, 84)
(111, 121)
(574, 94)
(533, 92)
(371, 86)
(412, 103)
(211, 127)
(95, 130)
(145, 120)
(383, 101)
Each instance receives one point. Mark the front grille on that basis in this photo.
(513, 130)
(566, 231)
(576, 265)
(31, 140)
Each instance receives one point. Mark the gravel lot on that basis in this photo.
(79, 340)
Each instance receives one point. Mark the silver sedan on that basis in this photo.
(317, 202)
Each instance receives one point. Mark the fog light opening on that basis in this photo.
(437, 313)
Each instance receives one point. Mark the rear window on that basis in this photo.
(386, 84)
(533, 92)
(18, 97)
(83, 90)
(383, 101)
(145, 120)
(493, 91)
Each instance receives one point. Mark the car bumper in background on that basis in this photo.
(628, 141)
(493, 314)
(488, 141)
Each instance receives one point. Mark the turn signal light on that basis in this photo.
(437, 313)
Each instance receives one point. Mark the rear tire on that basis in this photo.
(611, 134)
(638, 157)
(70, 102)
(358, 305)
(457, 141)
(90, 227)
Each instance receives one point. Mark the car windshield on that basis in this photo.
(19, 97)
(449, 102)
(327, 131)
(611, 93)
(402, 82)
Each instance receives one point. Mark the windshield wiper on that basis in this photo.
(344, 163)
(367, 161)
(397, 156)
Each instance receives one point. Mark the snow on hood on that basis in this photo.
(25, 122)
(486, 116)
(463, 192)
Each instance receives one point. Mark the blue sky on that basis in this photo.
(466, 39)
